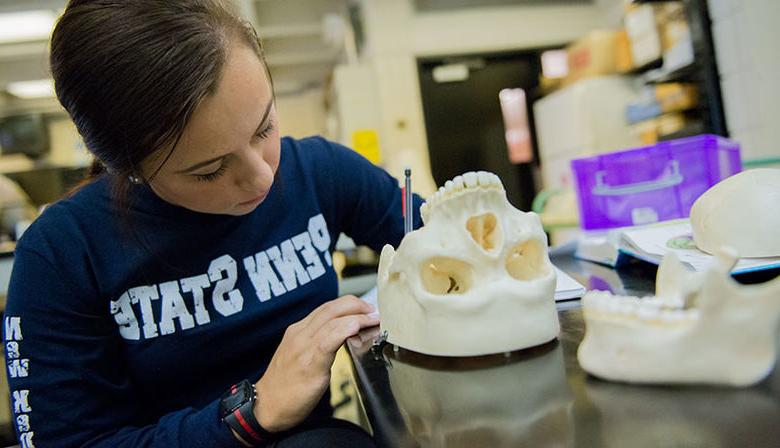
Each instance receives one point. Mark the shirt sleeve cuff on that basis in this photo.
(208, 419)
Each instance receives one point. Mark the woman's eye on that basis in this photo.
(266, 132)
(212, 175)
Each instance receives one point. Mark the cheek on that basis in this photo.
(201, 196)
(273, 155)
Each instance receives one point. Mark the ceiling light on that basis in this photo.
(40, 88)
(26, 25)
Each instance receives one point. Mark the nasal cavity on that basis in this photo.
(526, 261)
(484, 230)
(441, 276)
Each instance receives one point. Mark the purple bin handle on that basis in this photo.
(671, 178)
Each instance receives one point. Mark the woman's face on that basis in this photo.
(228, 154)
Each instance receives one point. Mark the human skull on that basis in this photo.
(475, 279)
(702, 327)
(740, 212)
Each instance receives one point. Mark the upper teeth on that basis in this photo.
(603, 305)
(467, 182)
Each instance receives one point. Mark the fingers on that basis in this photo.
(343, 306)
(369, 335)
(334, 333)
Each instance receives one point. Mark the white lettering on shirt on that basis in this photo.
(225, 286)
(173, 307)
(263, 277)
(288, 265)
(149, 311)
(144, 295)
(318, 230)
(13, 328)
(21, 404)
(124, 316)
(195, 286)
(303, 244)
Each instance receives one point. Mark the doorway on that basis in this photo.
(463, 119)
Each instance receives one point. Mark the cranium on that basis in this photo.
(721, 216)
(475, 279)
(700, 328)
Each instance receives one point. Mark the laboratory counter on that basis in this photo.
(540, 397)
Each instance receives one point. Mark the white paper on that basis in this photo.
(677, 236)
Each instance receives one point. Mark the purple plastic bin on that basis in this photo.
(651, 183)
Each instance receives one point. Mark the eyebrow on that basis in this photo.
(210, 161)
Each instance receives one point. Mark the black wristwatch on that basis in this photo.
(237, 410)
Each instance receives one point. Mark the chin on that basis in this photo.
(235, 210)
(239, 211)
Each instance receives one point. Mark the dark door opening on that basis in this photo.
(463, 119)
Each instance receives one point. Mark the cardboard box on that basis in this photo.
(654, 28)
(623, 60)
(645, 49)
(649, 131)
(592, 55)
(675, 96)
(640, 21)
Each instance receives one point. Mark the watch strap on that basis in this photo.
(242, 419)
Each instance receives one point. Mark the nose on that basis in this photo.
(255, 175)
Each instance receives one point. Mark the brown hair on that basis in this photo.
(131, 72)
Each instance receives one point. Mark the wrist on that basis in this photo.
(239, 438)
(263, 409)
(237, 412)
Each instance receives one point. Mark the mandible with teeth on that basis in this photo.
(701, 328)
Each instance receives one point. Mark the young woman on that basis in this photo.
(196, 256)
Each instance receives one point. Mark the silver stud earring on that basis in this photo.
(134, 179)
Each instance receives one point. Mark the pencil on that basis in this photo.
(407, 206)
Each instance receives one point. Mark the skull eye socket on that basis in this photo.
(443, 276)
(526, 262)
(484, 230)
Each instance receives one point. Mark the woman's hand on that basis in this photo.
(299, 372)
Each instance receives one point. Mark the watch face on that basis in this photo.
(235, 397)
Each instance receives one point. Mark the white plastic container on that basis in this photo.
(583, 119)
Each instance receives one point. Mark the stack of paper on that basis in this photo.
(567, 288)
(650, 243)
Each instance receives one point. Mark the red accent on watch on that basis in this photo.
(246, 426)
(236, 409)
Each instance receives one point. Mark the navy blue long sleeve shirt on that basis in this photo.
(125, 334)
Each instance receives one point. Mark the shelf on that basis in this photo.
(695, 63)
(656, 64)
(696, 128)
(689, 73)
(23, 50)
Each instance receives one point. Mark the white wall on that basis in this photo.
(67, 147)
(355, 99)
(746, 35)
(396, 35)
(302, 114)
(505, 28)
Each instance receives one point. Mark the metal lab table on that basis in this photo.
(541, 398)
